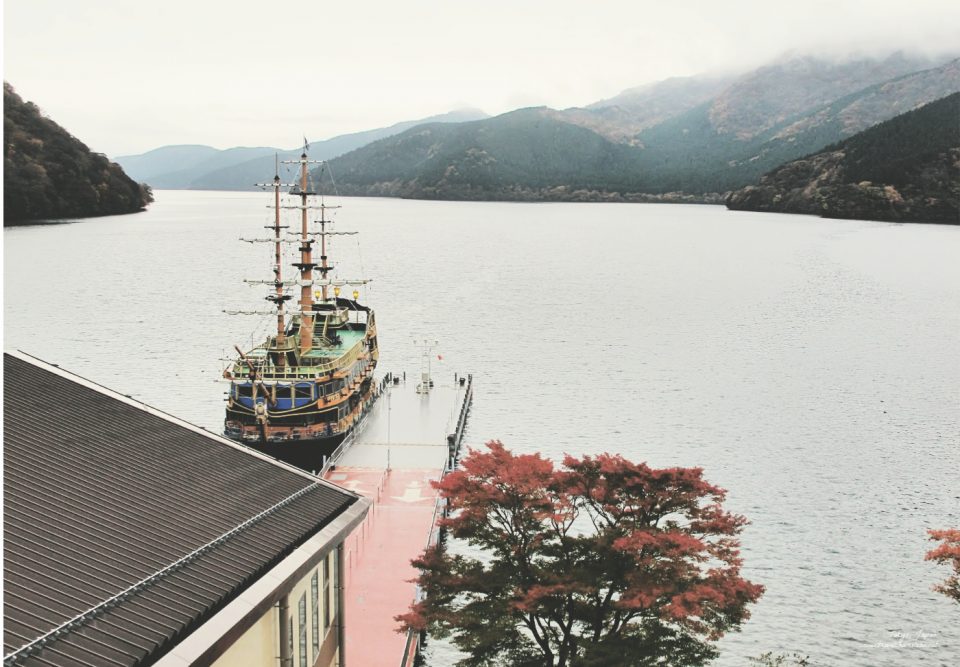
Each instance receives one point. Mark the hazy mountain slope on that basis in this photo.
(690, 153)
(221, 159)
(745, 106)
(165, 159)
(48, 173)
(768, 96)
(905, 169)
(874, 104)
(518, 155)
(622, 117)
(668, 97)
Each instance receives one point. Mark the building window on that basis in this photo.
(315, 626)
(303, 630)
(290, 639)
(326, 592)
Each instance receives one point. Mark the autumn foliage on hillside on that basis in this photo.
(947, 553)
(48, 173)
(598, 561)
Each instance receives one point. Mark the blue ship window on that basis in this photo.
(244, 391)
(283, 391)
(303, 391)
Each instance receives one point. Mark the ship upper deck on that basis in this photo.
(348, 338)
(320, 359)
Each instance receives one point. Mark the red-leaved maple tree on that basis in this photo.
(947, 552)
(599, 561)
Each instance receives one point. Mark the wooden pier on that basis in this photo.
(409, 439)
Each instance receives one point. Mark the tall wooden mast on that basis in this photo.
(277, 263)
(324, 267)
(278, 297)
(306, 265)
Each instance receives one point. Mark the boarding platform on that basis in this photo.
(410, 438)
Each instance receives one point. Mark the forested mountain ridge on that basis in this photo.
(49, 174)
(524, 155)
(905, 169)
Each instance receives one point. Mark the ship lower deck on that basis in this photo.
(401, 447)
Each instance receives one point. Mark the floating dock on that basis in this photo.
(410, 438)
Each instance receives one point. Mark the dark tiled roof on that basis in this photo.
(101, 495)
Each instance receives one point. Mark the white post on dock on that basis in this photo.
(426, 382)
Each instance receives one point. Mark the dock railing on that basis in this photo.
(347, 441)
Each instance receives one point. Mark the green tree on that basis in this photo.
(600, 561)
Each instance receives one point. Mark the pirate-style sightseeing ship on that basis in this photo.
(300, 392)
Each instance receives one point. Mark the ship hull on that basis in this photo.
(293, 442)
(309, 455)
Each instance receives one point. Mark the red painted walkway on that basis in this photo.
(377, 559)
(407, 432)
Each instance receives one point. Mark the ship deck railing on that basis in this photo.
(334, 457)
(297, 372)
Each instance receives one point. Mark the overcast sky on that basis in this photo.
(127, 76)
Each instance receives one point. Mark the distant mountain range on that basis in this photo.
(682, 139)
(906, 169)
(192, 167)
(50, 174)
(656, 140)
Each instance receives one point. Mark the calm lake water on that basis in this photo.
(812, 367)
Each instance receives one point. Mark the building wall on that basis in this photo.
(312, 626)
(260, 645)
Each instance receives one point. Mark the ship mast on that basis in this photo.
(324, 267)
(278, 297)
(277, 257)
(280, 345)
(306, 264)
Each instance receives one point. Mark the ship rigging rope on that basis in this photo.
(332, 181)
(365, 288)
(336, 193)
